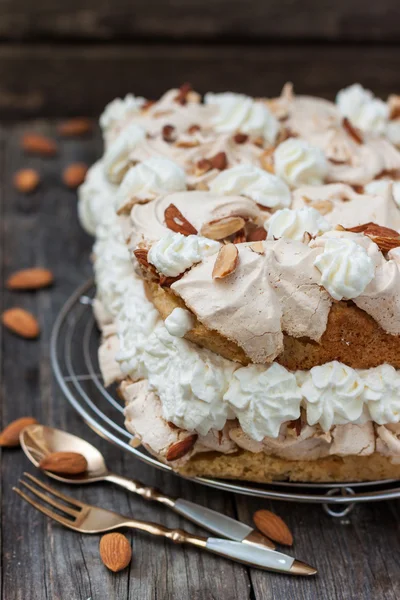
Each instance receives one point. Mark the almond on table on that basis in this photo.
(9, 437)
(75, 127)
(115, 551)
(35, 143)
(26, 180)
(21, 322)
(30, 279)
(273, 527)
(74, 175)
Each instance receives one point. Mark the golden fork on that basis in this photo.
(86, 518)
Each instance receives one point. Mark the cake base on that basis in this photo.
(261, 468)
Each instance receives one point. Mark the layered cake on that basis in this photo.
(247, 263)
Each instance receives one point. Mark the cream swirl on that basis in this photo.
(363, 110)
(116, 157)
(179, 322)
(237, 112)
(95, 198)
(293, 224)
(119, 110)
(174, 253)
(145, 181)
(263, 398)
(299, 163)
(255, 183)
(382, 392)
(334, 395)
(346, 269)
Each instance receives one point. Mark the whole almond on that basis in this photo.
(26, 180)
(75, 127)
(222, 228)
(179, 449)
(226, 261)
(74, 175)
(115, 551)
(175, 221)
(273, 527)
(35, 143)
(9, 437)
(21, 322)
(68, 463)
(30, 279)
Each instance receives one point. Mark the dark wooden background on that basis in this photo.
(59, 58)
(68, 57)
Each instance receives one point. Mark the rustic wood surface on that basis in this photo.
(357, 557)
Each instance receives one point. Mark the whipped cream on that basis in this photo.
(346, 269)
(334, 394)
(237, 112)
(263, 398)
(149, 179)
(293, 224)
(119, 110)
(179, 322)
(363, 110)
(116, 157)
(174, 253)
(255, 183)
(299, 163)
(382, 392)
(95, 198)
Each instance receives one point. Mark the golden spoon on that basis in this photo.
(38, 441)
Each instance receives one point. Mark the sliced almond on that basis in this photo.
(257, 247)
(240, 138)
(169, 133)
(222, 228)
(175, 221)
(26, 180)
(267, 160)
(75, 127)
(21, 322)
(74, 175)
(179, 449)
(115, 551)
(203, 166)
(182, 95)
(394, 106)
(35, 143)
(193, 129)
(226, 261)
(67, 463)
(295, 425)
(30, 279)
(219, 161)
(257, 235)
(240, 237)
(353, 132)
(9, 437)
(273, 527)
(384, 237)
(323, 206)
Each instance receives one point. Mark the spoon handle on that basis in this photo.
(211, 520)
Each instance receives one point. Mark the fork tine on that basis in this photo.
(50, 500)
(55, 492)
(44, 510)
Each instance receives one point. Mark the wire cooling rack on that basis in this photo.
(74, 345)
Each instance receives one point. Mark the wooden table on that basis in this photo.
(358, 557)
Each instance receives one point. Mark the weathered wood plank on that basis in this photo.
(200, 19)
(43, 79)
(352, 554)
(41, 560)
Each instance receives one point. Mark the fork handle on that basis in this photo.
(218, 523)
(251, 555)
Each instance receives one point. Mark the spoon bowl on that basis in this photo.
(38, 441)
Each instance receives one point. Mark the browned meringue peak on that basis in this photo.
(268, 294)
(319, 122)
(199, 208)
(341, 205)
(388, 441)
